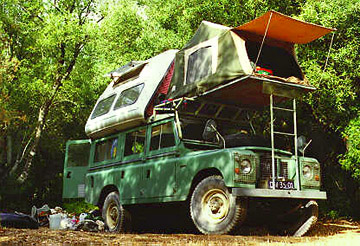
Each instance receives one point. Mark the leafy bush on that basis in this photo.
(78, 206)
(351, 159)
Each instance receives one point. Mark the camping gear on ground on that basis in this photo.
(82, 217)
(41, 214)
(90, 225)
(61, 220)
(54, 221)
(18, 220)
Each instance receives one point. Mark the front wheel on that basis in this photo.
(213, 209)
(113, 213)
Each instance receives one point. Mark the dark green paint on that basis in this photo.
(165, 175)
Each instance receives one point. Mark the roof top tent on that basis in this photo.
(242, 65)
(128, 99)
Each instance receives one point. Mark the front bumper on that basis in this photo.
(269, 193)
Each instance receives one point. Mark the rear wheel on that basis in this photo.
(113, 213)
(213, 209)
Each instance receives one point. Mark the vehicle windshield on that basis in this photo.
(234, 124)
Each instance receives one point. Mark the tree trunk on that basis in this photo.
(38, 130)
(43, 112)
(8, 150)
(44, 109)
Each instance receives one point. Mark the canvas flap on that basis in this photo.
(284, 28)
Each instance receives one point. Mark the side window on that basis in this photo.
(129, 96)
(135, 142)
(199, 65)
(103, 106)
(78, 155)
(162, 136)
(106, 150)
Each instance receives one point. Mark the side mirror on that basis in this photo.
(209, 132)
(302, 144)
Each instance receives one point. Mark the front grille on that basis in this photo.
(281, 170)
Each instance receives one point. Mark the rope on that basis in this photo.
(327, 58)
(262, 42)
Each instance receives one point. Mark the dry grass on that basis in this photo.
(338, 233)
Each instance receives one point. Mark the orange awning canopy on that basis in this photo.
(284, 28)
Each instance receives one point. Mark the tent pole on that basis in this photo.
(262, 42)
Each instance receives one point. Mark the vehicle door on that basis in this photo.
(159, 168)
(76, 166)
(131, 165)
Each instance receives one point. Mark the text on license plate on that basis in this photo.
(282, 185)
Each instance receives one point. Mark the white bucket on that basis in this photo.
(54, 221)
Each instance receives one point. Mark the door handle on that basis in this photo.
(68, 175)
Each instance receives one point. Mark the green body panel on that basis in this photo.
(192, 163)
(159, 177)
(74, 172)
(166, 174)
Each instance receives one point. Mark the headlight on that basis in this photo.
(307, 172)
(245, 166)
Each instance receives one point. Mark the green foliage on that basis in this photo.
(78, 207)
(336, 103)
(39, 39)
(44, 46)
(333, 215)
(351, 159)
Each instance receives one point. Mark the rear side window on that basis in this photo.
(103, 106)
(199, 65)
(135, 142)
(129, 96)
(78, 155)
(106, 150)
(162, 136)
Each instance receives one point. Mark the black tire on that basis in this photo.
(113, 213)
(214, 210)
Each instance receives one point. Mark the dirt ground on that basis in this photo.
(338, 233)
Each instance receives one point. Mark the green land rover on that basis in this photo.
(178, 128)
(215, 165)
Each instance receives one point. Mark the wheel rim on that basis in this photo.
(112, 215)
(215, 205)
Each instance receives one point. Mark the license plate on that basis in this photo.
(282, 185)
